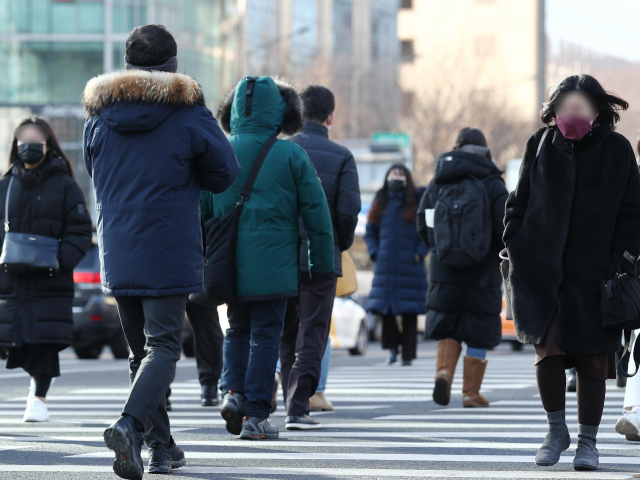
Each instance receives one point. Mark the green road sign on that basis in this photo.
(393, 138)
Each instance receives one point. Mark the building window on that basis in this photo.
(407, 5)
(486, 46)
(406, 48)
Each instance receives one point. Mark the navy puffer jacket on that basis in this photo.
(151, 145)
(339, 176)
(399, 282)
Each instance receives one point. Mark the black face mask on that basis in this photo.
(31, 153)
(395, 185)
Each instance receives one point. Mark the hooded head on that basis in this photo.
(137, 100)
(261, 105)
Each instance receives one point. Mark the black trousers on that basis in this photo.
(153, 328)
(208, 342)
(392, 338)
(304, 339)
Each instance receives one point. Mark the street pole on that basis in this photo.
(541, 55)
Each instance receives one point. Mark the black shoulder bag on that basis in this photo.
(222, 238)
(620, 310)
(25, 253)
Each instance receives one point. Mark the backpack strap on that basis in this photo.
(245, 194)
(544, 135)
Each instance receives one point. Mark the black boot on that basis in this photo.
(393, 356)
(125, 440)
(209, 397)
(587, 457)
(166, 458)
(556, 441)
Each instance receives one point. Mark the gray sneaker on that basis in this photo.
(254, 428)
(305, 422)
(231, 411)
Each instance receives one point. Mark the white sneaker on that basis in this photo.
(629, 422)
(36, 411)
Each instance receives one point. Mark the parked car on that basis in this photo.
(95, 315)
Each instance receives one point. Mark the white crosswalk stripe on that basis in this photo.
(384, 426)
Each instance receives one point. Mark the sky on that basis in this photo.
(607, 26)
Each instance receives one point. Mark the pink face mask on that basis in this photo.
(573, 127)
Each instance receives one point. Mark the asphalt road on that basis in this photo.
(385, 425)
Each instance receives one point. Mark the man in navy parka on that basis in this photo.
(151, 145)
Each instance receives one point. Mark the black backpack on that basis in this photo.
(462, 227)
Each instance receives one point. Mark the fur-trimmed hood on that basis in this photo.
(276, 108)
(139, 100)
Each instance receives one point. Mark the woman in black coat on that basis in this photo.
(36, 318)
(572, 222)
(400, 277)
(464, 304)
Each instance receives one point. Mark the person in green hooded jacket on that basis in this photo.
(287, 188)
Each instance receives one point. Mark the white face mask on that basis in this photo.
(329, 127)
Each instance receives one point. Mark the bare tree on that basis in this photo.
(434, 116)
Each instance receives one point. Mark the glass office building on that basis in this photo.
(49, 49)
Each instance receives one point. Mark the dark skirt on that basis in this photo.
(36, 359)
(599, 366)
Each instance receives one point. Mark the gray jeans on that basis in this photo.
(153, 328)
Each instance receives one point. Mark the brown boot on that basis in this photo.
(319, 403)
(472, 376)
(446, 360)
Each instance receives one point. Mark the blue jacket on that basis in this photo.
(337, 171)
(151, 145)
(399, 282)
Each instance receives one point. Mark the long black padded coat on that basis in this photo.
(572, 220)
(465, 304)
(38, 309)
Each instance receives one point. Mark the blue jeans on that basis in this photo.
(251, 350)
(326, 360)
(476, 352)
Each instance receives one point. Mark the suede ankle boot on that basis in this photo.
(556, 441)
(587, 457)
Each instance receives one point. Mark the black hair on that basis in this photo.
(470, 136)
(319, 103)
(53, 146)
(382, 198)
(150, 45)
(606, 103)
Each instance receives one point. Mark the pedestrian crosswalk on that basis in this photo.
(384, 426)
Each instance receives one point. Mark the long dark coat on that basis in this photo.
(465, 304)
(150, 146)
(573, 218)
(37, 309)
(399, 282)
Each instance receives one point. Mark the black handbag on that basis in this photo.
(222, 236)
(25, 253)
(620, 302)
